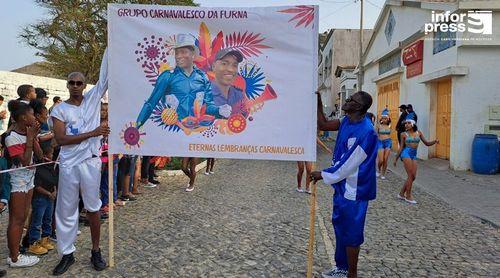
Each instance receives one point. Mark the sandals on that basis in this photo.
(300, 190)
(128, 198)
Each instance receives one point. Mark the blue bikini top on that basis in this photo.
(384, 131)
(411, 140)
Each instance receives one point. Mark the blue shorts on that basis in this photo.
(385, 144)
(348, 220)
(410, 153)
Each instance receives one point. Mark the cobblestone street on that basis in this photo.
(246, 220)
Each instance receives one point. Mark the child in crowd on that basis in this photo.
(42, 115)
(46, 179)
(26, 94)
(21, 144)
(135, 186)
(210, 166)
(4, 180)
(124, 175)
(104, 171)
(148, 172)
(3, 188)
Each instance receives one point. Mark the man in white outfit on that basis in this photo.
(78, 130)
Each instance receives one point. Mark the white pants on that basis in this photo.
(85, 178)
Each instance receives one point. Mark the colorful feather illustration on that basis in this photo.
(208, 48)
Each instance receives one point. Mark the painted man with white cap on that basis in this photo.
(78, 130)
(183, 85)
(180, 88)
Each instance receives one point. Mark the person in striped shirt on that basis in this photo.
(352, 175)
(22, 144)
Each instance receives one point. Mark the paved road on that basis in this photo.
(247, 221)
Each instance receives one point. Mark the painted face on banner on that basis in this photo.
(226, 70)
(184, 57)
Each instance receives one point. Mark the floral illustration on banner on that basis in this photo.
(304, 15)
(152, 56)
(131, 136)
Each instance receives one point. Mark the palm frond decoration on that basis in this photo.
(253, 76)
(249, 44)
(304, 15)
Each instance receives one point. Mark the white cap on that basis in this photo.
(183, 40)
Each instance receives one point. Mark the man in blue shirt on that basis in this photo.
(352, 175)
(182, 86)
(225, 68)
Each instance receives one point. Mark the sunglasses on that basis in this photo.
(73, 83)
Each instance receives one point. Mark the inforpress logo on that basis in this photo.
(477, 22)
(480, 22)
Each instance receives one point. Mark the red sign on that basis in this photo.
(414, 69)
(413, 53)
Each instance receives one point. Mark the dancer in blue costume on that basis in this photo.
(408, 154)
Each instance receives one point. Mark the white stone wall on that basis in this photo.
(471, 97)
(9, 81)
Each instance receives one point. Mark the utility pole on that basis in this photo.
(360, 65)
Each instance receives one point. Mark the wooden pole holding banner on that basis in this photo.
(312, 220)
(111, 205)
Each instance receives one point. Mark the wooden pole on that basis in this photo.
(111, 204)
(312, 218)
(360, 64)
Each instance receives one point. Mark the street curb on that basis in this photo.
(173, 173)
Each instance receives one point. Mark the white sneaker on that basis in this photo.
(207, 173)
(78, 232)
(299, 190)
(334, 273)
(23, 261)
(377, 174)
(413, 202)
(382, 177)
(150, 185)
(212, 172)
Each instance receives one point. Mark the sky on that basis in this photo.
(14, 14)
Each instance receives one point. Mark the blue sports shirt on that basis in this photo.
(352, 173)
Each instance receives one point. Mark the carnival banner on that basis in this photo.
(213, 82)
